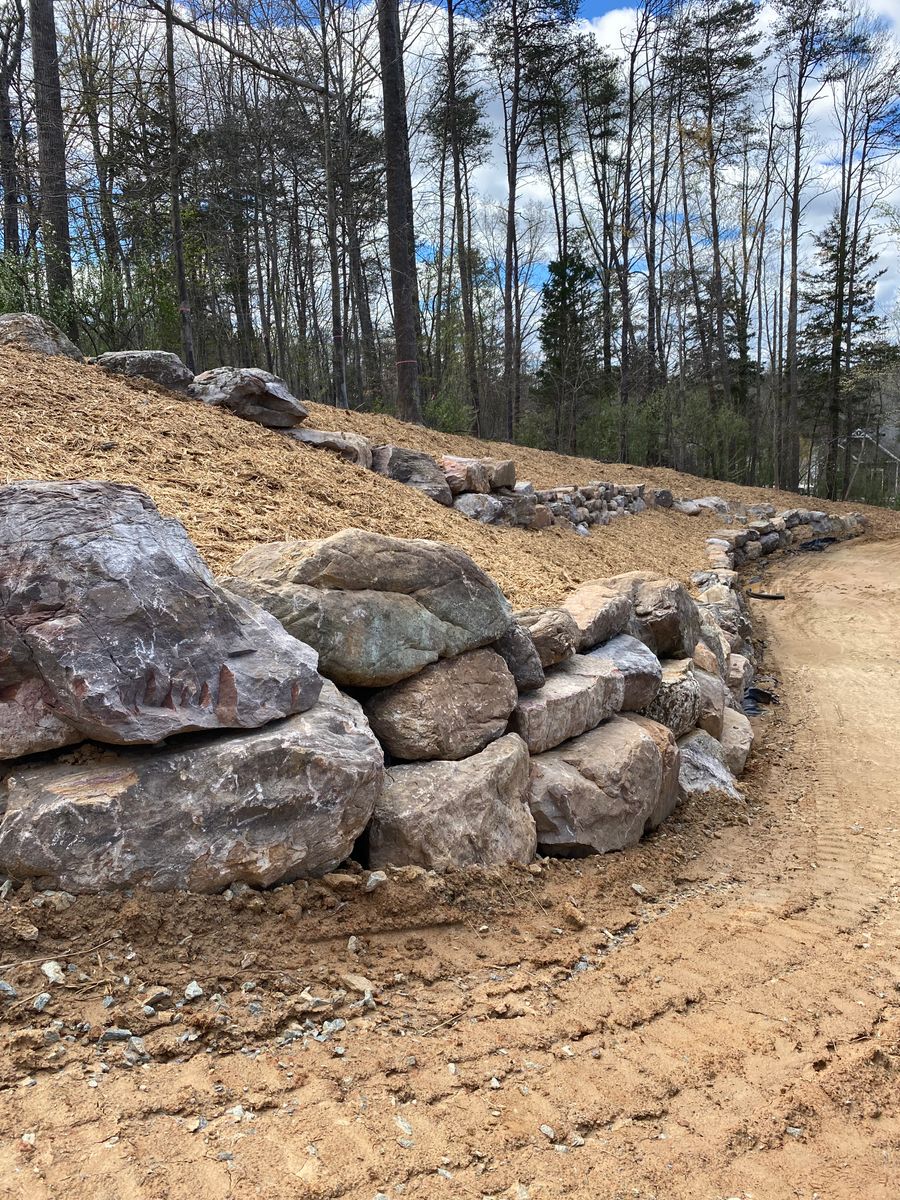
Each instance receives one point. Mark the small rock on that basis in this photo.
(375, 880)
(40, 1002)
(7, 990)
(53, 971)
(549, 1132)
(574, 916)
(193, 991)
(495, 1082)
(353, 944)
(640, 890)
(114, 1034)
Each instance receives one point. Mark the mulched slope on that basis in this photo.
(233, 483)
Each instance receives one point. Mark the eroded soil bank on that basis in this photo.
(730, 1027)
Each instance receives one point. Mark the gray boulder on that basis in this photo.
(377, 609)
(640, 668)
(600, 611)
(665, 615)
(413, 468)
(553, 631)
(596, 793)
(456, 814)
(486, 509)
(112, 628)
(736, 739)
(703, 767)
(160, 366)
(670, 757)
(260, 808)
(518, 651)
(713, 693)
(451, 709)
(351, 447)
(251, 393)
(677, 703)
(25, 331)
(577, 695)
(740, 675)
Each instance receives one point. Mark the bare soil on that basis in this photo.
(730, 1029)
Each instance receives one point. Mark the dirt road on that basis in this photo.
(734, 1032)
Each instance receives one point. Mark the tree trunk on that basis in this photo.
(184, 306)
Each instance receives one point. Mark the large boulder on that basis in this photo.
(25, 331)
(678, 701)
(351, 447)
(486, 509)
(451, 709)
(641, 669)
(665, 615)
(466, 474)
(597, 792)
(713, 693)
(456, 814)
(600, 611)
(200, 813)
(740, 675)
(702, 767)
(671, 758)
(554, 633)
(160, 366)
(502, 473)
(112, 628)
(377, 609)
(736, 739)
(518, 651)
(577, 695)
(414, 468)
(251, 393)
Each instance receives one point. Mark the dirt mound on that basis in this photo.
(233, 483)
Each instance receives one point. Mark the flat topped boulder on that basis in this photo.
(466, 474)
(251, 393)
(577, 695)
(25, 331)
(703, 767)
(451, 709)
(377, 609)
(456, 814)
(415, 469)
(160, 366)
(264, 807)
(600, 610)
(596, 793)
(113, 628)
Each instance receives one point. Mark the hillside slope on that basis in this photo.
(233, 483)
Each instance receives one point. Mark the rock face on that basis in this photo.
(554, 633)
(703, 767)
(25, 331)
(671, 759)
(600, 611)
(413, 468)
(352, 447)
(251, 393)
(596, 793)
(456, 814)
(519, 653)
(157, 365)
(112, 628)
(377, 609)
(450, 710)
(677, 703)
(641, 670)
(712, 702)
(485, 509)
(276, 804)
(665, 616)
(466, 474)
(737, 740)
(577, 695)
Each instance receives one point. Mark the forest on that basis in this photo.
(676, 245)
